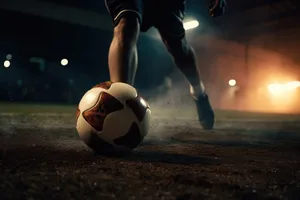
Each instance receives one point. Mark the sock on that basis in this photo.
(197, 91)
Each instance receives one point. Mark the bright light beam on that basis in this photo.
(64, 62)
(8, 56)
(293, 84)
(6, 63)
(232, 82)
(280, 89)
(190, 25)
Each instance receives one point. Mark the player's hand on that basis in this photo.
(217, 8)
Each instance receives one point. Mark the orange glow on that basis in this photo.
(281, 89)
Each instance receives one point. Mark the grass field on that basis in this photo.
(42, 157)
(161, 111)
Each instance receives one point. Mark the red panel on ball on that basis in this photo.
(77, 113)
(105, 85)
(105, 105)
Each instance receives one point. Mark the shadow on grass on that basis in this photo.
(31, 156)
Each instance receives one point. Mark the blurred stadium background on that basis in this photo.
(53, 51)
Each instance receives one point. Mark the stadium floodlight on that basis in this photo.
(6, 64)
(277, 89)
(232, 82)
(64, 62)
(190, 25)
(8, 56)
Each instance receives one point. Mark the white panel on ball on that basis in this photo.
(122, 91)
(117, 124)
(90, 98)
(84, 129)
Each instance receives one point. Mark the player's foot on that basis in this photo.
(205, 112)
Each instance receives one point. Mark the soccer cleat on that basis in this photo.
(205, 112)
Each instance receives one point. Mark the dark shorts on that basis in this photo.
(167, 18)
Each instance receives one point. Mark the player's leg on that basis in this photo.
(185, 59)
(122, 57)
(173, 35)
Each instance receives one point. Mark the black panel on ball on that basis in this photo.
(99, 145)
(137, 107)
(132, 138)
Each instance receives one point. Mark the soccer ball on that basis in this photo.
(112, 118)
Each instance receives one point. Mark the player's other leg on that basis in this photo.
(185, 59)
(122, 56)
(173, 36)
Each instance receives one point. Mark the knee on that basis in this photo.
(127, 30)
